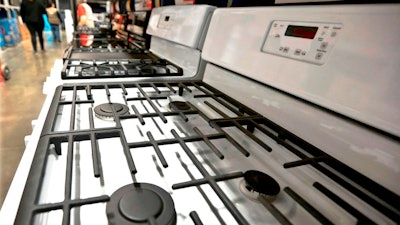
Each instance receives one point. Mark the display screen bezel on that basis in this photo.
(307, 32)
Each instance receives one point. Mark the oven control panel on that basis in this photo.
(304, 41)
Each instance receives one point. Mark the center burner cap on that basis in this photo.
(179, 105)
(141, 204)
(258, 183)
(105, 111)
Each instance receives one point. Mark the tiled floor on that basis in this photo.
(21, 99)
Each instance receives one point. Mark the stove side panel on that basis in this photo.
(183, 25)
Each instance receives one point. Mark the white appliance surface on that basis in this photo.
(178, 34)
(189, 59)
(359, 79)
(181, 24)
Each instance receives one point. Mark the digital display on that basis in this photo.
(301, 31)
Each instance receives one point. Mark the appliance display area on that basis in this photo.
(309, 42)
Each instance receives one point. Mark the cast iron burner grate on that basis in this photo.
(142, 67)
(190, 163)
(102, 42)
(101, 45)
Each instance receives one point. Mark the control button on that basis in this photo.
(297, 51)
(324, 45)
(275, 24)
(280, 48)
(323, 33)
(303, 53)
(277, 35)
(320, 39)
(286, 49)
(333, 34)
(318, 56)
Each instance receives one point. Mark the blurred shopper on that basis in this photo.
(54, 20)
(85, 22)
(32, 15)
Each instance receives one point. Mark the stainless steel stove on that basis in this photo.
(267, 136)
(113, 58)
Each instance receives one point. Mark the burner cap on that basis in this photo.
(256, 182)
(132, 205)
(105, 111)
(139, 203)
(180, 105)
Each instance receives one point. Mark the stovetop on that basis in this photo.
(117, 65)
(114, 58)
(156, 146)
(101, 45)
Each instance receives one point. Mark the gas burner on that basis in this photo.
(257, 183)
(105, 111)
(178, 102)
(180, 105)
(141, 203)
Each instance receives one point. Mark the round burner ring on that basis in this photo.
(180, 105)
(105, 111)
(258, 183)
(138, 203)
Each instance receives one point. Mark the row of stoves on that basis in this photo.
(136, 136)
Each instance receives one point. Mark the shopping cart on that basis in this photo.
(4, 70)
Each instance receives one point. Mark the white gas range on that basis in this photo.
(278, 131)
(177, 38)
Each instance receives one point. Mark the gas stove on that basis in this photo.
(112, 59)
(105, 49)
(245, 144)
(118, 64)
(175, 50)
(102, 44)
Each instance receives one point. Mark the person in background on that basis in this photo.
(85, 22)
(32, 15)
(54, 20)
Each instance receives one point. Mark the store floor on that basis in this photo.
(21, 99)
